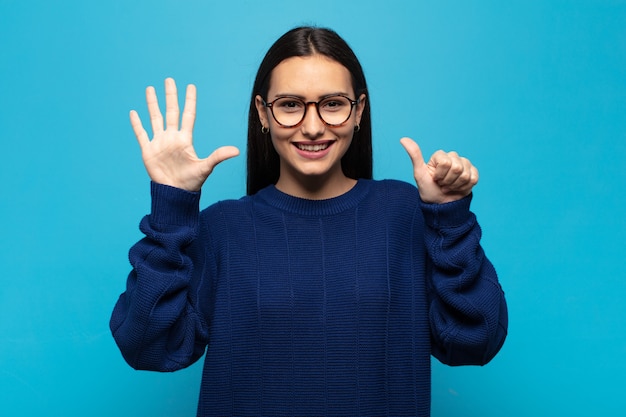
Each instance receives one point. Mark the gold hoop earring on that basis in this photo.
(265, 130)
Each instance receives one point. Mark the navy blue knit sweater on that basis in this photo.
(310, 308)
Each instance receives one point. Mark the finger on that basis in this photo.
(189, 112)
(440, 163)
(456, 170)
(172, 113)
(414, 151)
(220, 155)
(156, 120)
(140, 132)
(465, 182)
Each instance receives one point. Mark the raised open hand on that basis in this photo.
(444, 178)
(170, 157)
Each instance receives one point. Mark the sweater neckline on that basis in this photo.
(350, 199)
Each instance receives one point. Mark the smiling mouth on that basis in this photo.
(313, 148)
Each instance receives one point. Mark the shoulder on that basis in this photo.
(392, 199)
(225, 220)
(228, 208)
(394, 190)
(395, 185)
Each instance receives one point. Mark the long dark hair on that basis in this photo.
(263, 161)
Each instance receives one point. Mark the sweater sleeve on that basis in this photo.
(155, 323)
(468, 312)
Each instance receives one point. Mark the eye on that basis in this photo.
(333, 104)
(289, 105)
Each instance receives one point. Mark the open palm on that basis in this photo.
(170, 157)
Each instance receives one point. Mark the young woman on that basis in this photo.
(322, 292)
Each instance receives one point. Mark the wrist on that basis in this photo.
(174, 205)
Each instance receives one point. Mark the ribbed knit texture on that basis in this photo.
(310, 308)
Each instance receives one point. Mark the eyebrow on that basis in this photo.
(303, 98)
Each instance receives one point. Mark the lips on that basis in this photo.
(316, 146)
(312, 148)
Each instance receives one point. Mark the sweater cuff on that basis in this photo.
(174, 206)
(452, 214)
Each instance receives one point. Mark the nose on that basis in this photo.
(312, 125)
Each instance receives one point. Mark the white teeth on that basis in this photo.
(312, 148)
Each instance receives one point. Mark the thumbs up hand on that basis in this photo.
(444, 178)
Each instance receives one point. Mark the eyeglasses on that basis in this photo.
(290, 111)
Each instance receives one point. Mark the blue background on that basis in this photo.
(533, 92)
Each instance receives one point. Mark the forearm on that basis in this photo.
(154, 321)
(468, 311)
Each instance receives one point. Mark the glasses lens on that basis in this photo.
(335, 110)
(289, 111)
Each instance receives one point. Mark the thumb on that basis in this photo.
(414, 151)
(220, 155)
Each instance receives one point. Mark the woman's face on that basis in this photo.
(311, 151)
